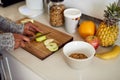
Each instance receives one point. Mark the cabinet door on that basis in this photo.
(6, 68)
(19, 71)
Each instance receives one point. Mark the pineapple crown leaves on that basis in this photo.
(112, 14)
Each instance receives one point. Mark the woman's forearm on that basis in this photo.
(6, 41)
(10, 26)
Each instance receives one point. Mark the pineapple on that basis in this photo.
(108, 29)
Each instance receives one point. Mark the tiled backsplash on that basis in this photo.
(94, 8)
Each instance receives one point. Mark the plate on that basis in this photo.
(24, 10)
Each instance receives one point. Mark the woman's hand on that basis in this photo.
(20, 40)
(30, 29)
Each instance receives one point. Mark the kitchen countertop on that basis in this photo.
(54, 67)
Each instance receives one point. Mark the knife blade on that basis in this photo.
(34, 37)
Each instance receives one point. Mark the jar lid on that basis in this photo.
(57, 0)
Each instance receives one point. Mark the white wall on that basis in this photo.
(93, 8)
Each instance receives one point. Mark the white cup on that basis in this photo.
(36, 4)
(78, 47)
(72, 17)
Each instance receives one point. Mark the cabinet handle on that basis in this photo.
(6, 59)
(3, 70)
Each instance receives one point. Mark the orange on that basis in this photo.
(86, 28)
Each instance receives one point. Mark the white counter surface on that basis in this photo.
(54, 67)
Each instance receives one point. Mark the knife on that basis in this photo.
(34, 37)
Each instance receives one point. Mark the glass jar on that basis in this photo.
(56, 9)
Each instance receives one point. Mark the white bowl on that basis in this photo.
(78, 47)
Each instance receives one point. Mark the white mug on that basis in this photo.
(72, 17)
(36, 4)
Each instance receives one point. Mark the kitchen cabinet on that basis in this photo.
(94, 8)
(14, 70)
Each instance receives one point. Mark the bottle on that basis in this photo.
(46, 2)
(56, 9)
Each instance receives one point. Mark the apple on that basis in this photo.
(51, 45)
(41, 38)
(93, 40)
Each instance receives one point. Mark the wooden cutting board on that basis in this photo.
(38, 49)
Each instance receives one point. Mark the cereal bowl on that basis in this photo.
(78, 49)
